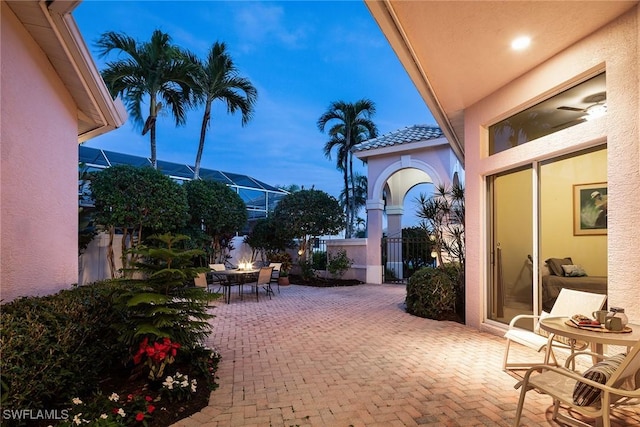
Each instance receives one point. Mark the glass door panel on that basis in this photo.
(573, 211)
(510, 245)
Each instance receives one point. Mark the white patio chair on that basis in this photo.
(568, 303)
(613, 381)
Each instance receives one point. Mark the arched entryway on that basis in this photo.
(397, 162)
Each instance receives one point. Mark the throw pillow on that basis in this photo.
(587, 395)
(572, 270)
(555, 265)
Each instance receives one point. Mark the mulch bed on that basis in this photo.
(322, 282)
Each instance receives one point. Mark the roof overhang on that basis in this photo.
(458, 52)
(419, 146)
(51, 25)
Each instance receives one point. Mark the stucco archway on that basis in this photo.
(396, 162)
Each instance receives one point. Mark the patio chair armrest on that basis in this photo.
(516, 319)
(578, 377)
(583, 353)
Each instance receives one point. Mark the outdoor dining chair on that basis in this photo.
(592, 394)
(217, 279)
(275, 274)
(568, 303)
(264, 281)
(200, 281)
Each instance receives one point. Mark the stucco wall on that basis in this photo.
(356, 251)
(614, 47)
(39, 215)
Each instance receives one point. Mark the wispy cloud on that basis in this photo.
(259, 23)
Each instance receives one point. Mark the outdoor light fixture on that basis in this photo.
(434, 254)
(521, 43)
(300, 252)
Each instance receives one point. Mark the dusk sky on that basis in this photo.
(300, 55)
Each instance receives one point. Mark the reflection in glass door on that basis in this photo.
(511, 245)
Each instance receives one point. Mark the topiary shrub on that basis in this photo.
(57, 347)
(431, 293)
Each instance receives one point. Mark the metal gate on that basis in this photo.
(403, 256)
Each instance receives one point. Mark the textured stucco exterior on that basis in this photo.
(614, 49)
(39, 216)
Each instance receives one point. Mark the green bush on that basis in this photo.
(56, 347)
(431, 293)
(339, 263)
(319, 260)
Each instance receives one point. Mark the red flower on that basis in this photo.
(148, 398)
(139, 416)
(151, 408)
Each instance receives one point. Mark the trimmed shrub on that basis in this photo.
(56, 347)
(339, 263)
(319, 260)
(431, 293)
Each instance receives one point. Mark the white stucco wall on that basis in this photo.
(616, 49)
(39, 158)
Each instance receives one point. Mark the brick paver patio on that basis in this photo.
(352, 356)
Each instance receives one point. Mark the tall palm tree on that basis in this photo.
(352, 124)
(217, 79)
(154, 72)
(338, 142)
(358, 196)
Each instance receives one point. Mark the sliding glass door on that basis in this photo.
(511, 244)
(550, 210)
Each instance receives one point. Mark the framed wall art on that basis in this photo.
(590, 209)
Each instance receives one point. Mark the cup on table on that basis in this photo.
(613, 324)
(600, 316)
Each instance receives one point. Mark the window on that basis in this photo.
(571, 107)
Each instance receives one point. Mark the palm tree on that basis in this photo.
(217, 79)
(151, 72)
(358, 194)
(337, 141)
(352, 124)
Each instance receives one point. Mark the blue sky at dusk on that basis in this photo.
(301, 56)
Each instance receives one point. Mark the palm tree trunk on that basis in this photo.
(153, 114)
(347, 211)
(203, 133)
(353, 189)
(347, 196)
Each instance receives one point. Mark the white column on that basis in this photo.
(374, 239)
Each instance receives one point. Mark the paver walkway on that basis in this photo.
(352, 356)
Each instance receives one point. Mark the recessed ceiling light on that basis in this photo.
(521, 43)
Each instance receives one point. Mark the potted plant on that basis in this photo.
(286, 262)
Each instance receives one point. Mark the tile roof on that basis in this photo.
(409, 134)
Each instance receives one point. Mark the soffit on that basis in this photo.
(458, 52)
(54, 30)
